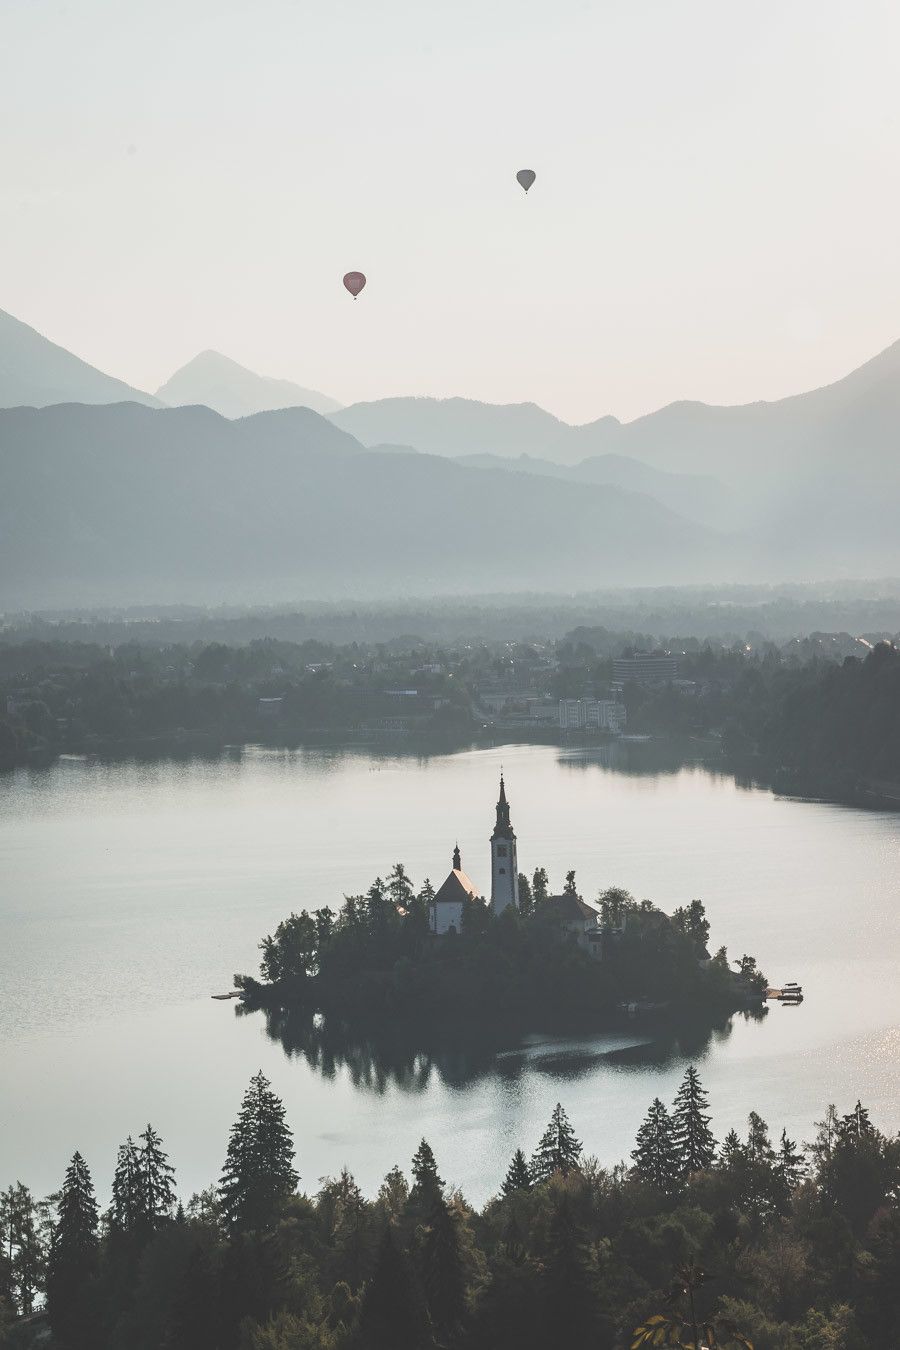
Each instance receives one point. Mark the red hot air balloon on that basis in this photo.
(525, 178)
(354, 281)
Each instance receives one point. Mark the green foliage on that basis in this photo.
(558, 1150)
(655, 1156)
(258, 1175)
(802, 1256)
(695, 1146)
(73, 1263)
(518, 1177)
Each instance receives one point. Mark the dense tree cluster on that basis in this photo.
(736, 1243)
(375, 956)
(816, 714)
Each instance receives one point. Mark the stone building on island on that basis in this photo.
(446, 909)
(568, 916)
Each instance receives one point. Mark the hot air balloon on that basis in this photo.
(525, 177)
(354, 281)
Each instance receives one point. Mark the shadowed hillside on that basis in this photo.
(35, 372)
(103, 503)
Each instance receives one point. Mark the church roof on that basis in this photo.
(568, 907)
(457, 887)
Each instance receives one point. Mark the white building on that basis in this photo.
(601, 714)
(504, 864)
(446, 909)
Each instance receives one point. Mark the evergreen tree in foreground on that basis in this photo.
(156, 1184)
(442, 1270)
(695, 1146)
(258, 1175)
(655, 1155)
(518, 1178)
(790, 1163)
(126, 1189)
(391, 1316)
(558, 1151)
(428, 1187)
(72, 1266)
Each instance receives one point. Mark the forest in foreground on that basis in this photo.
(747, 1242)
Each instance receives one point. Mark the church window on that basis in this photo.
(501, 851)
(502, 871)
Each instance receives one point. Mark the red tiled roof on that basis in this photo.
(457, 887)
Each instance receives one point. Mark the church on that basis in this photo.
(446, 909)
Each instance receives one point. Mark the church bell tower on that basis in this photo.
(504, 865)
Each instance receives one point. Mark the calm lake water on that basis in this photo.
(130, 893)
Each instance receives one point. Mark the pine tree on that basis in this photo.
(518, 1177)
(427, 1187)
(156, 1185)
(695, 1146)
(126, 1190)
(558, 1150)
(442, 1269)
(791, 1164)
(72, 1264)
(400, 888)
(526, 900)
(258, 1175)
(195, 1311)
(24, 1251)
(540, 883)
(570, 888)
(391, 1315)
(569, 1285)
(655, 1156)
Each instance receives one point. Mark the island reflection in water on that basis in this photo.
(392, 1056)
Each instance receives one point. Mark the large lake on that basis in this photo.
(130, 893)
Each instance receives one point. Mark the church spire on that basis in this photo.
(503, 829)
(457, 860)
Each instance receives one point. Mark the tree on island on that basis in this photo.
(694, 1143)
(693, 922)
(614, 904)
(291, 950)
(526, 900)
(558, 1150)
(73, 1262)
(570, 888)
(655, 1155)
(540, 886)
(400, 888)
(258, 1176)
(518, 1176)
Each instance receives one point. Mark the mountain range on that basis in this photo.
(130, 504)
(35, 372)
(232, 390)
(418, 494)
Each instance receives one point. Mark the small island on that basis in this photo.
(521, 960)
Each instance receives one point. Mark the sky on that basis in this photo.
(715, 216)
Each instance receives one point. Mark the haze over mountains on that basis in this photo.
(35, 372)
(124, 502)
(232, 390)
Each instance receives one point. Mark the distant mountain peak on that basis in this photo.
(234, 391)
(35, 373)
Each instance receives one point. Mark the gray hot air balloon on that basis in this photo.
(525, 177)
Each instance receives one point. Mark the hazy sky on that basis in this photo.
(716, 213)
